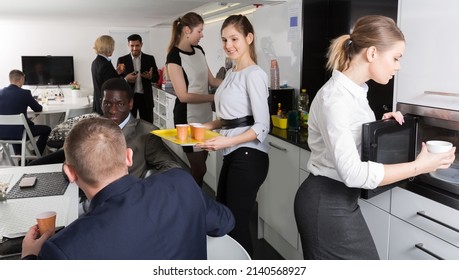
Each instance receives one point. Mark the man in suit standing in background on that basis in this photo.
(13, 101)
(146, 72)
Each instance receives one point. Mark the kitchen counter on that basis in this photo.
(297, 138)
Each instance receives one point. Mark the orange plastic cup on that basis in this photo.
(46, 221)
(199, 132)
(192, 125)
(182, 131)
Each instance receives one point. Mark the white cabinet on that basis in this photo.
(429, 62)
(413, 228)
(163, 111)
(408, 242)
(214, 164)
(378, 223)
(276, 198)
(428, 215)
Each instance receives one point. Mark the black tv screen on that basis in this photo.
(48, 70)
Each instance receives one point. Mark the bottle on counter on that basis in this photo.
(279, 110)
(303, 107)
(274, 71)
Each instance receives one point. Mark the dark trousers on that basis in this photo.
(144, 103)
(37, 130)
(242, 174)
(330, 222)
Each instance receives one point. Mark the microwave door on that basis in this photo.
(388, 142)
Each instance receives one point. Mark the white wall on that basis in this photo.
(22, 37)
(76, 38)
(271, 26)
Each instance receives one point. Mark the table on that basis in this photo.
(18, 215)
(58, 107)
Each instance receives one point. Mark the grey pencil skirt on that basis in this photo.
(330, 222)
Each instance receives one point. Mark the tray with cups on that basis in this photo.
(186, 134)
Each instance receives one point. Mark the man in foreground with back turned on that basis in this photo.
(161, 217)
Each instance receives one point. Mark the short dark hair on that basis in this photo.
(16, 75)
(135, 37)
(118, 84)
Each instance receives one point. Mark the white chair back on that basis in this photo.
(19, 120)
(225, 248)
(70, 113)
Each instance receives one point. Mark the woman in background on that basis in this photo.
(327, 213)
(190, 76)
(241, 104)
(102, 69)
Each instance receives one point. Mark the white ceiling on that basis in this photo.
(126, 13)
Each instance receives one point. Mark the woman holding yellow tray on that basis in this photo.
(241, 104)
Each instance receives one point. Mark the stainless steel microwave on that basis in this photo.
(388, 142)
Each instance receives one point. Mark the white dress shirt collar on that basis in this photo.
(123, 124)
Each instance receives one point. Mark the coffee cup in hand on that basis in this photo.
(46, 222)
(438, 146)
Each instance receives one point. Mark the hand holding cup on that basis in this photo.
(46, 222)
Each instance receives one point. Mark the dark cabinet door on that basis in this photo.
(323, 21)
(388, 142)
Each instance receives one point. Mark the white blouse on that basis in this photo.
(335, 134)
(245, 93)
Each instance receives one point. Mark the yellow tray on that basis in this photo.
(171, 135)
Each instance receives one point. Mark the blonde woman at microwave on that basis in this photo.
(328, 216)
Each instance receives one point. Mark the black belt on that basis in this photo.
(244, 121)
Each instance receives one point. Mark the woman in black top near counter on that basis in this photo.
(327, 213)
(190, 77)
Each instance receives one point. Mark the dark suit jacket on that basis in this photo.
(161, 217)
(101, 70)
(149, 150)
(15, 100)
(146, 62)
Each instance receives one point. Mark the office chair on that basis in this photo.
(24, 142)
(225, 248)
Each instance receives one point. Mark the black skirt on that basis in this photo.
(330, 222)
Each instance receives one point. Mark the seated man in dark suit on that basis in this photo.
(166, 216)
(149, 150)
(13, 101)
(150, 153)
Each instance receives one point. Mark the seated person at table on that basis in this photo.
(13, 101)
(166, 216)
(150, 153)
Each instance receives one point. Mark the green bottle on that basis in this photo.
(303, 107)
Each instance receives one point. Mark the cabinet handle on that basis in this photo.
(277, 147)
(420, 246)
(424, 215)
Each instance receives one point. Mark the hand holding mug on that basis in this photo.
(120, 68)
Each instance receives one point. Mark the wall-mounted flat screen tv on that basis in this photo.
(48, 70)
